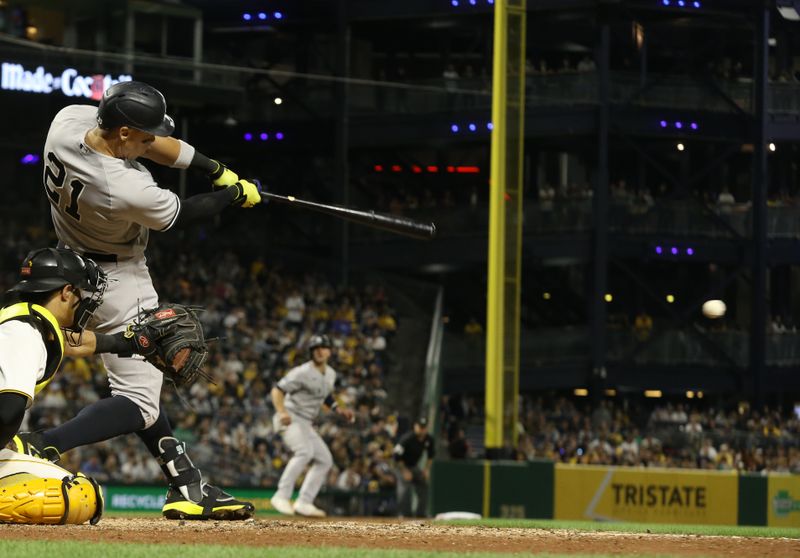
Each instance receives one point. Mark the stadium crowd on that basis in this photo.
(618, 432)
(263, 318)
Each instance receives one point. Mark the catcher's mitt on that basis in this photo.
(171, 338)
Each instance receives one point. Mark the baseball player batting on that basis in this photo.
(104, 205)
(297, 398)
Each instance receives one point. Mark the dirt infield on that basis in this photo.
(421, 535)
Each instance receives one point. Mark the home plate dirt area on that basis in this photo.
(402, 534)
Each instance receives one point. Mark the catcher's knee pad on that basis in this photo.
(182, 474)
(25, 498)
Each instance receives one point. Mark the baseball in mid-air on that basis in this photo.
(714, 308)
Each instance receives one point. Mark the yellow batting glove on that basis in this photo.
(246, 193)
(223, 177)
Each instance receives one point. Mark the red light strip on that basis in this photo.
(417, 169)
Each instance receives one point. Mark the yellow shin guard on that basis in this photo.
(26, 498)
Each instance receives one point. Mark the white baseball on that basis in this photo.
(714, 308)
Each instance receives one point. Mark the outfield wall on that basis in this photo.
(546, 490)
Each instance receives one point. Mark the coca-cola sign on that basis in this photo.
(69, 82)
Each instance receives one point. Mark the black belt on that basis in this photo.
(96, 256)
(100, 257)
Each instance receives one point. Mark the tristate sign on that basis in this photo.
(16, 78)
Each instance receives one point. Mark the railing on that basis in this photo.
(559, 346)
(560, 216)
(317, 93)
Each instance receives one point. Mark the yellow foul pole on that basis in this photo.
(505, 226)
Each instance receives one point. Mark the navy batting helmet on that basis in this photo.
(318, 341)
(136, 105)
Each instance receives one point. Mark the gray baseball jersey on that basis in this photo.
(100, 203)
(107, 205)
(306, 389)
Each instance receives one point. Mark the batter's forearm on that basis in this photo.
(203, 206)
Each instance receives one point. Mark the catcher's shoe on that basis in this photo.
(215, 504)
(31, 443)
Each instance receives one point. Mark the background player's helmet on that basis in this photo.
(49, 269)
(317, 341)
(136, 105)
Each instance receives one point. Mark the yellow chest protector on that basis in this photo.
(47, 325)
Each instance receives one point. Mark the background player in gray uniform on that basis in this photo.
(297, 398)
(104, 204)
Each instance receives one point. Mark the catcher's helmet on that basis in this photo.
(49, 269)
(318, 341)
(136, 105)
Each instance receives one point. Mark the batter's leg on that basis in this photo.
(102, 420)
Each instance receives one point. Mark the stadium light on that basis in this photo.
(279, 136)
(670, 298)
(546, 296)
(652, 393)
(278, 15)
(581, 392)
(609, 297)
(246, 16)
(789, 9)
(264, 136)
(262, 16)
(248, 136)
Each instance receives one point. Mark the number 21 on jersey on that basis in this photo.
(55, 175)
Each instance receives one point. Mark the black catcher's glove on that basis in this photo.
(171, 338)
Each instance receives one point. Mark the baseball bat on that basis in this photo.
(391, 223)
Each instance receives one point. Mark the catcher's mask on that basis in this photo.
(49, 269)
(89, 304)
(318, 341)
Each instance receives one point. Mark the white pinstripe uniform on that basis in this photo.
(105, 205)
(306, 389)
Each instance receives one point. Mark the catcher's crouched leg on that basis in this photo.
(26, 498)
